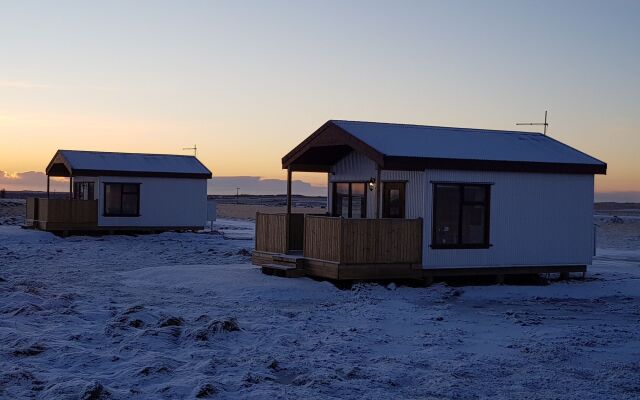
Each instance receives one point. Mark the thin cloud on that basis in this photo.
(22, 85)
(36, 86)
(31, 180)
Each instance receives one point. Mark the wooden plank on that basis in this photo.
(322, 238)
(63, 214)
(32, 204)
(381, 241)
(271, 233)
(320, 269)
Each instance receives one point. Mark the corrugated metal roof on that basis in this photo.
(463, 144)
(132, 163)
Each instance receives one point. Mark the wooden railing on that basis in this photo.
(279, 233)
(54, 214)
(363, 241)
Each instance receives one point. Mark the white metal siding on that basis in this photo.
(356, 167)
(536, 219)
(164, 202)
(414, 190)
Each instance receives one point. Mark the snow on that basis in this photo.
(182, 315)
(106, 161)
(463, 143)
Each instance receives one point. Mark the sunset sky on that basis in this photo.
(248, 80)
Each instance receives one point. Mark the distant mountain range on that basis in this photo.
(226, 185)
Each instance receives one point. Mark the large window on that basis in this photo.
(122, 199)
(460, 215)
(349, 200)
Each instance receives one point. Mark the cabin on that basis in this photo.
(118, 192)
(409, 201)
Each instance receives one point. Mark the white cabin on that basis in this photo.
(124, 192)
(485, 199)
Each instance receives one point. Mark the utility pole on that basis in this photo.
(237, 195)
(194, 148)
(545, 124)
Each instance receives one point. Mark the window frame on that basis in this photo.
(122, 192)
(487, 216)
(334, 203)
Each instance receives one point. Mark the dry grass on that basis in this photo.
(248, 211)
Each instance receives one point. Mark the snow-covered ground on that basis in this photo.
(186, 315)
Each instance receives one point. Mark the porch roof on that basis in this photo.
(418, 147)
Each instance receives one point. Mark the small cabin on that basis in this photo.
(111, 192)
(408, 201)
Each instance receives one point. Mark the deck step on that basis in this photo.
(285, 271)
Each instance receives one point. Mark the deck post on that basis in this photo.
(378, 192)
(289, 172)
(288, 217)
(48, 186)
(70, 187)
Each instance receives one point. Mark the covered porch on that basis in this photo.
(76, 210)
(338, 248)
(360, 237)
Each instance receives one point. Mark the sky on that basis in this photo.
(248, 80)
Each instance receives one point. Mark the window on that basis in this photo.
(122, 199)
(460, 215)
(393, 200)
(83, 190)
(349, 200)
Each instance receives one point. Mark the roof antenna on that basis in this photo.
(194, 148)
(545, 124)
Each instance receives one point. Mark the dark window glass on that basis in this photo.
(129, 204)
(342, 200)
(121, 199)
(461, 215)
(474, 193)
(473, 220)
(83, 190)
(76, 190)
(447, 214)
(393, 199)
(358, 201)
(350, 200)
(112, 199)
(90, 191)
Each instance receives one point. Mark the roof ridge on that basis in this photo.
(481, 130)
(128, 153)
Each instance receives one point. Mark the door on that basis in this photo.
(350, 200)
(393, 199)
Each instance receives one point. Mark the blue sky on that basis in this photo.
(248, 80)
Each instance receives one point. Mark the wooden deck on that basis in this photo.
(359, 249)
(341, 249)
(61, 214)
(279, 233)
(66, 217)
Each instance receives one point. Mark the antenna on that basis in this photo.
(545, 124)
(194, 148)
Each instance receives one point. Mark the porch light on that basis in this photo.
(372, 184)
